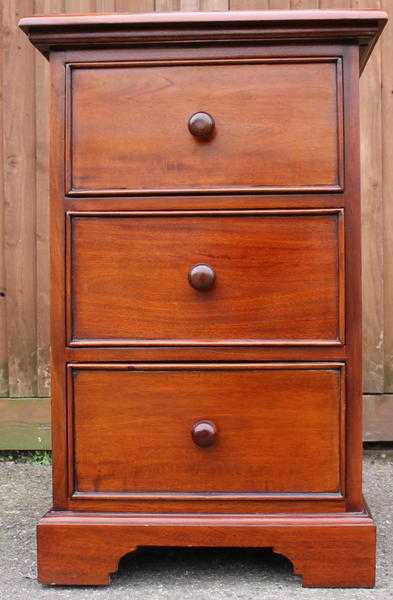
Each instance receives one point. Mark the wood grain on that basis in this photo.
(105, 6)
(189, 5)
(279, 4)
(324, 551)
(304, 4)
(3, 291)
(285, 436)
(370, 282)
(214, 4)
(109, 153)
(141, 418)
(79, 6)
(372, 218)
(249, 4)
(42, 207)
(166, 5)
(25, 424)
(134, 6)
(373, 374)
(124, 293)
(378, 422)
(387, 182)
(19, 188)
(267, 26)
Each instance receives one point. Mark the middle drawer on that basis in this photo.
(196, 278)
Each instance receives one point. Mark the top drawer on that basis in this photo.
(277, 126)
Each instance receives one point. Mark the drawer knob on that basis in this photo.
(204, 433)
(202, 277)
(201, 125)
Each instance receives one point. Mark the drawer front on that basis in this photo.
(269, 277)
(277, 125)
(145, 429)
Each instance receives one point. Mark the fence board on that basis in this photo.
(304, 4)
(24, 277)
(189, 5)
(387, 170)
(134, 6)
(42, 204)
(167, 5)
(214, 4)
(335, 4)
(377, 418)
(372, 217)
(19, 186)
(249, 4)
(105, 6)
(279, 4)
(3, 308)
(25, 424)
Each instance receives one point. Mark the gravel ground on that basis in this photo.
(178, 574)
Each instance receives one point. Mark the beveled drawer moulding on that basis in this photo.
(294, 398)
(311, 280)
(206, 289)
(288, 127)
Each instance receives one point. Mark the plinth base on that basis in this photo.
(325, 550)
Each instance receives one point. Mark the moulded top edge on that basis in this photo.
(157, 18)
(52, 32)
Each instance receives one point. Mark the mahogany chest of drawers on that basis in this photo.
(206, 289)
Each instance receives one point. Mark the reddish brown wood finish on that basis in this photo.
(140, 416)
(69, 31)
(268, 127)
(128, 275)
(201, 125)
(325, 551)
(271, 354)
(202, 277)
(204, 433)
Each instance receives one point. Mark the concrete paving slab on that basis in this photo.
(184, 574)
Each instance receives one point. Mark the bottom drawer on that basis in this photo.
(213, 428)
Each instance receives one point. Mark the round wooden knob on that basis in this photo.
(204, 433)
(202, 277)
(201, 124)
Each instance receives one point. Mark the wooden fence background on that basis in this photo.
(24, 278)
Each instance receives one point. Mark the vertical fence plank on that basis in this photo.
(79, 6)
(279, 4)
(42, 204)
(372, 217)
(304, 4)
(387, 172)
(42, 215)
(134, 6)
(249, 4)
(326, 4)
(214, 5)
(167, 5)
(189, 5)
(19, 187)
(104, 6)
(3, 311)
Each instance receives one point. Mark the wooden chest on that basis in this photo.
(206, 289)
